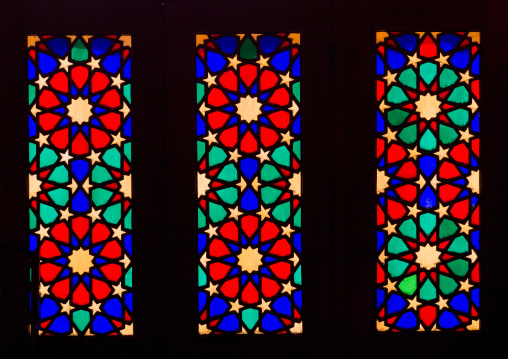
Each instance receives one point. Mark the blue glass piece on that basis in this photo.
(265, 271)
(100, 46)
(475, 67)
(31, 70)
(296, 67)
(233, 120)
(74, 280)
(475, 296)
(296, 126)
(95, 98)
(230, 259)
(255, 240)
(460, 302)
(74, 129)
(215, 61)
(448, 320)
(127, 127)
(127, 69)
(80, 169)
(113, 307)
(270, 322)
(230, 323)
(380, 296)
(283, 306)
(242, 89)
(74, 91)
(96, 249)
(87, 279)
(128, 301)
(380, 239)
(86, 241)
(249, 201)
(244, 278)
(268, 44)
(232, 246)
(281, 61)
(407, 42)
(48, 308)
(60, 325)
(65, 273)
(391, 194)
(255, 277)
(448, 42)
(428, 198)
(254, 128)
(33, 243)
(80, 202)
(96, 273)
(395, 59)
(297, 241)
(227, 44)
(265, 247)
(382, 201)
(99, 260)
(473, 162)
(99, 110)
(268, 108)
(229, 109)
(407, 321)
(59, 46)
(269, 259)
(249, 167)
(101, 324)
(475, 239)
(461, 181)
(127, 241)
(298, 299)
(202, 300)
(74, 241)
(61, 261)
(85, 90)
(63, 98)
(254, 89)
(112, 63)
(233, 272)
(464, 170)
(461, 59)
(46, 63)
(64, 248)
(200, 68)
(394, 182)
(395, 303)
(428, 165)
(232, 96)
(264, 96)
(475, 124)
(264, 120)
(243, 127)
(64, 122)
(200, 125)
(201, 242)
(380, 123)
(244, 241)
(380, 66)
(382, 162)
(464, 194)
(59, 110)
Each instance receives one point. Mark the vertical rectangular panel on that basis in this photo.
(428, 180)
(80, 182)
(249, 183)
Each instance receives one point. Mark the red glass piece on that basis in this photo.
(218, 248)
(99, 82)
(229, 231)
(112, 271)
(112, 250)
(380, 147)
(380, 89)
(81, 295)
(380, 216)
(48, 99)
(49, 271)
(475, 217)
(218, 270)
(281, 248)
(249, 143)
(100, 232)
(428, 315)
(475, 273)
(460, 153)
(60, 139)
(79, 75)
(269, 287)
(250, 294)
(407, 170)
(380, 274)
(48, 121)
(280, 119)
(111, 121)
(79, 145)
(448, 170)
(100, 139)
(395, 209)
(61, 232)
(269, 231)
(217, 98)
(281, 269)
(395, 153)
(230, 288)
(61, 289)
(268, 137)
(49, 250)
(460, 210)
(248, 74)
(229, 80)
(100, 289)
(280, 97)
(217, 119)
(60, 82)
(250, 225)
(448, 192)
(80, 226)
(111, 99)
(407, 192)
(475, 146)
(267, 80)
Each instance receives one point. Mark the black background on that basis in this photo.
(338, 119)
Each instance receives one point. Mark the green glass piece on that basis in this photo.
(269, 173)
(298, 276)
(428, 71)
(59, 175)
(282, 212)
(428, 142)
(100, 174)
(127, 222)
(296, 90)
(228, 195)
(31, 94)
(447, 285)
(47, 157)
(459, 267)
(33, 219)
(101, 196)
(81, 318)
(248, 50)
(447, 78)
(396, 245)
(459, 117)
(128, 278)
(397, 117)
(396, 95)
(200, 92)
(269, 195)
(201, 277)
(459, 245)
(216, 212)
(201, 219)
(228, 173)
(296, 149)
(113, 213)
(408, 285)
(459, 95)
(79, 51)
(201, 149)
(447, 228)
(297, 219)
(250, 317)
(216, 156)
(127, 150)
(127, 92)
(428, 223)
(60, 196)
(408, 228)
(408, 78)
(408, 134)
(48, 214)
(112, 157)
(428, 291)
(447, 134)
(281, 156)
(32, 151)
(396, 267)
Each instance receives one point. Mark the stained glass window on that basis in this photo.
(249, 183)
(428, 180)
(79, 95)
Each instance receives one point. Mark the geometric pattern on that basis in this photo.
(80, 182)
(428, 181)
(249, 183)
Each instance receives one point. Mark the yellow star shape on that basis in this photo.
(465, 228)
(43, 289)
(465, 77)
(126, 261)
(34, 185)
(93, 157)
(442, 210)
(263, 213)
(234, 62)
(442, 303)
(235, 213)
(263, 61)
(94, 214)
(65, 214)
(250, 259)
(297, 328)
(118, 232)
(204, 260)
(80, 110)
(41, 81)
(117, 139)
(383, 106)
(125, 110)
(413, 60)
(73, 186)
(474, 181)
(465, 135)
(442, 153)
(296, 184)
(210, 138)
(287, 288)
(42, 139)
(203, 329)
(126, 186)
(413, 211)
(473, 256)
(475, 325)
(81, 261)
(389, 135)
(212, 289)
(234, 156)
(465, 286)
(434, 182)
(242, 184)
(94, 63)
(414, 153)
(286, 137)
(43, 232)
(428, 256)
(65, 157)
(390, 286)
(295, 259)
(413, 303)
(421, 182)
(382, 257)
(128, 330)
(264, 305)
(86, 185)
(390, 228)
(428, 106)
(294, 108)
(118, 290)
(382, 181)
(66, 307)
(203, 184)
(443, 60)
(117, 81)
(235, 306)
(390, 78)
(286, 231)
(65, 63)
(211, 231)
(210, 80)
(263, 156)
(255, 184)
(286, 79)
(473, 106)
